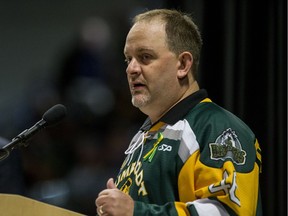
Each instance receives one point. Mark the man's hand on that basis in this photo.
(112, 201)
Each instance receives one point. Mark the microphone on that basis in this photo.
(50, 118)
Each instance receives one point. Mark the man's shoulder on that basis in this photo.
(209, 114)
(209, 110)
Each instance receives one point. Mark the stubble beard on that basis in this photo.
(140, 100)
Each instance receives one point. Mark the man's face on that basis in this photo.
(152, 68)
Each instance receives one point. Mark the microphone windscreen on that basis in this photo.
(55, 114)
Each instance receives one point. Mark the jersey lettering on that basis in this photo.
(227, 188)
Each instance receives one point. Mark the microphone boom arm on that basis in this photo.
(52, 116)
(21, 139)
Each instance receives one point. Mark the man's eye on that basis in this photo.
(127, 60)
(145, 58)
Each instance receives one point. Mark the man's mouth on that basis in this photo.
(137, 85)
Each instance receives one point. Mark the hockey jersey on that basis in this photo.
(198, 159)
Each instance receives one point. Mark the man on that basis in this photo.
(191, 157)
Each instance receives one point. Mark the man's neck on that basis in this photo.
(192, 88)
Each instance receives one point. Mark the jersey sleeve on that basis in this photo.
(221, 175)
(220, 163)
(218, 191)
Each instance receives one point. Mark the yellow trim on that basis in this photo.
(181, 209)
(258, 154)
(157, 126)
(206, 100)
(257, 146)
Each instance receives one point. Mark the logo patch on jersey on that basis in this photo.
(165, 147)
(227, 146)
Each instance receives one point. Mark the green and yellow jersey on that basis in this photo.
(198, 159)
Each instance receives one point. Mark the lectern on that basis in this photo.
(16, 205)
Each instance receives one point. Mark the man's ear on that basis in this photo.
(185, 64)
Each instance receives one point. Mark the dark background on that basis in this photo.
(45, 60)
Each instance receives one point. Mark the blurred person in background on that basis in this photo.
(83, 82)
(191, 156)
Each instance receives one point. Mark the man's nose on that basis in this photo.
(133, 67)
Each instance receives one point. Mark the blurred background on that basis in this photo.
(70, 52)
